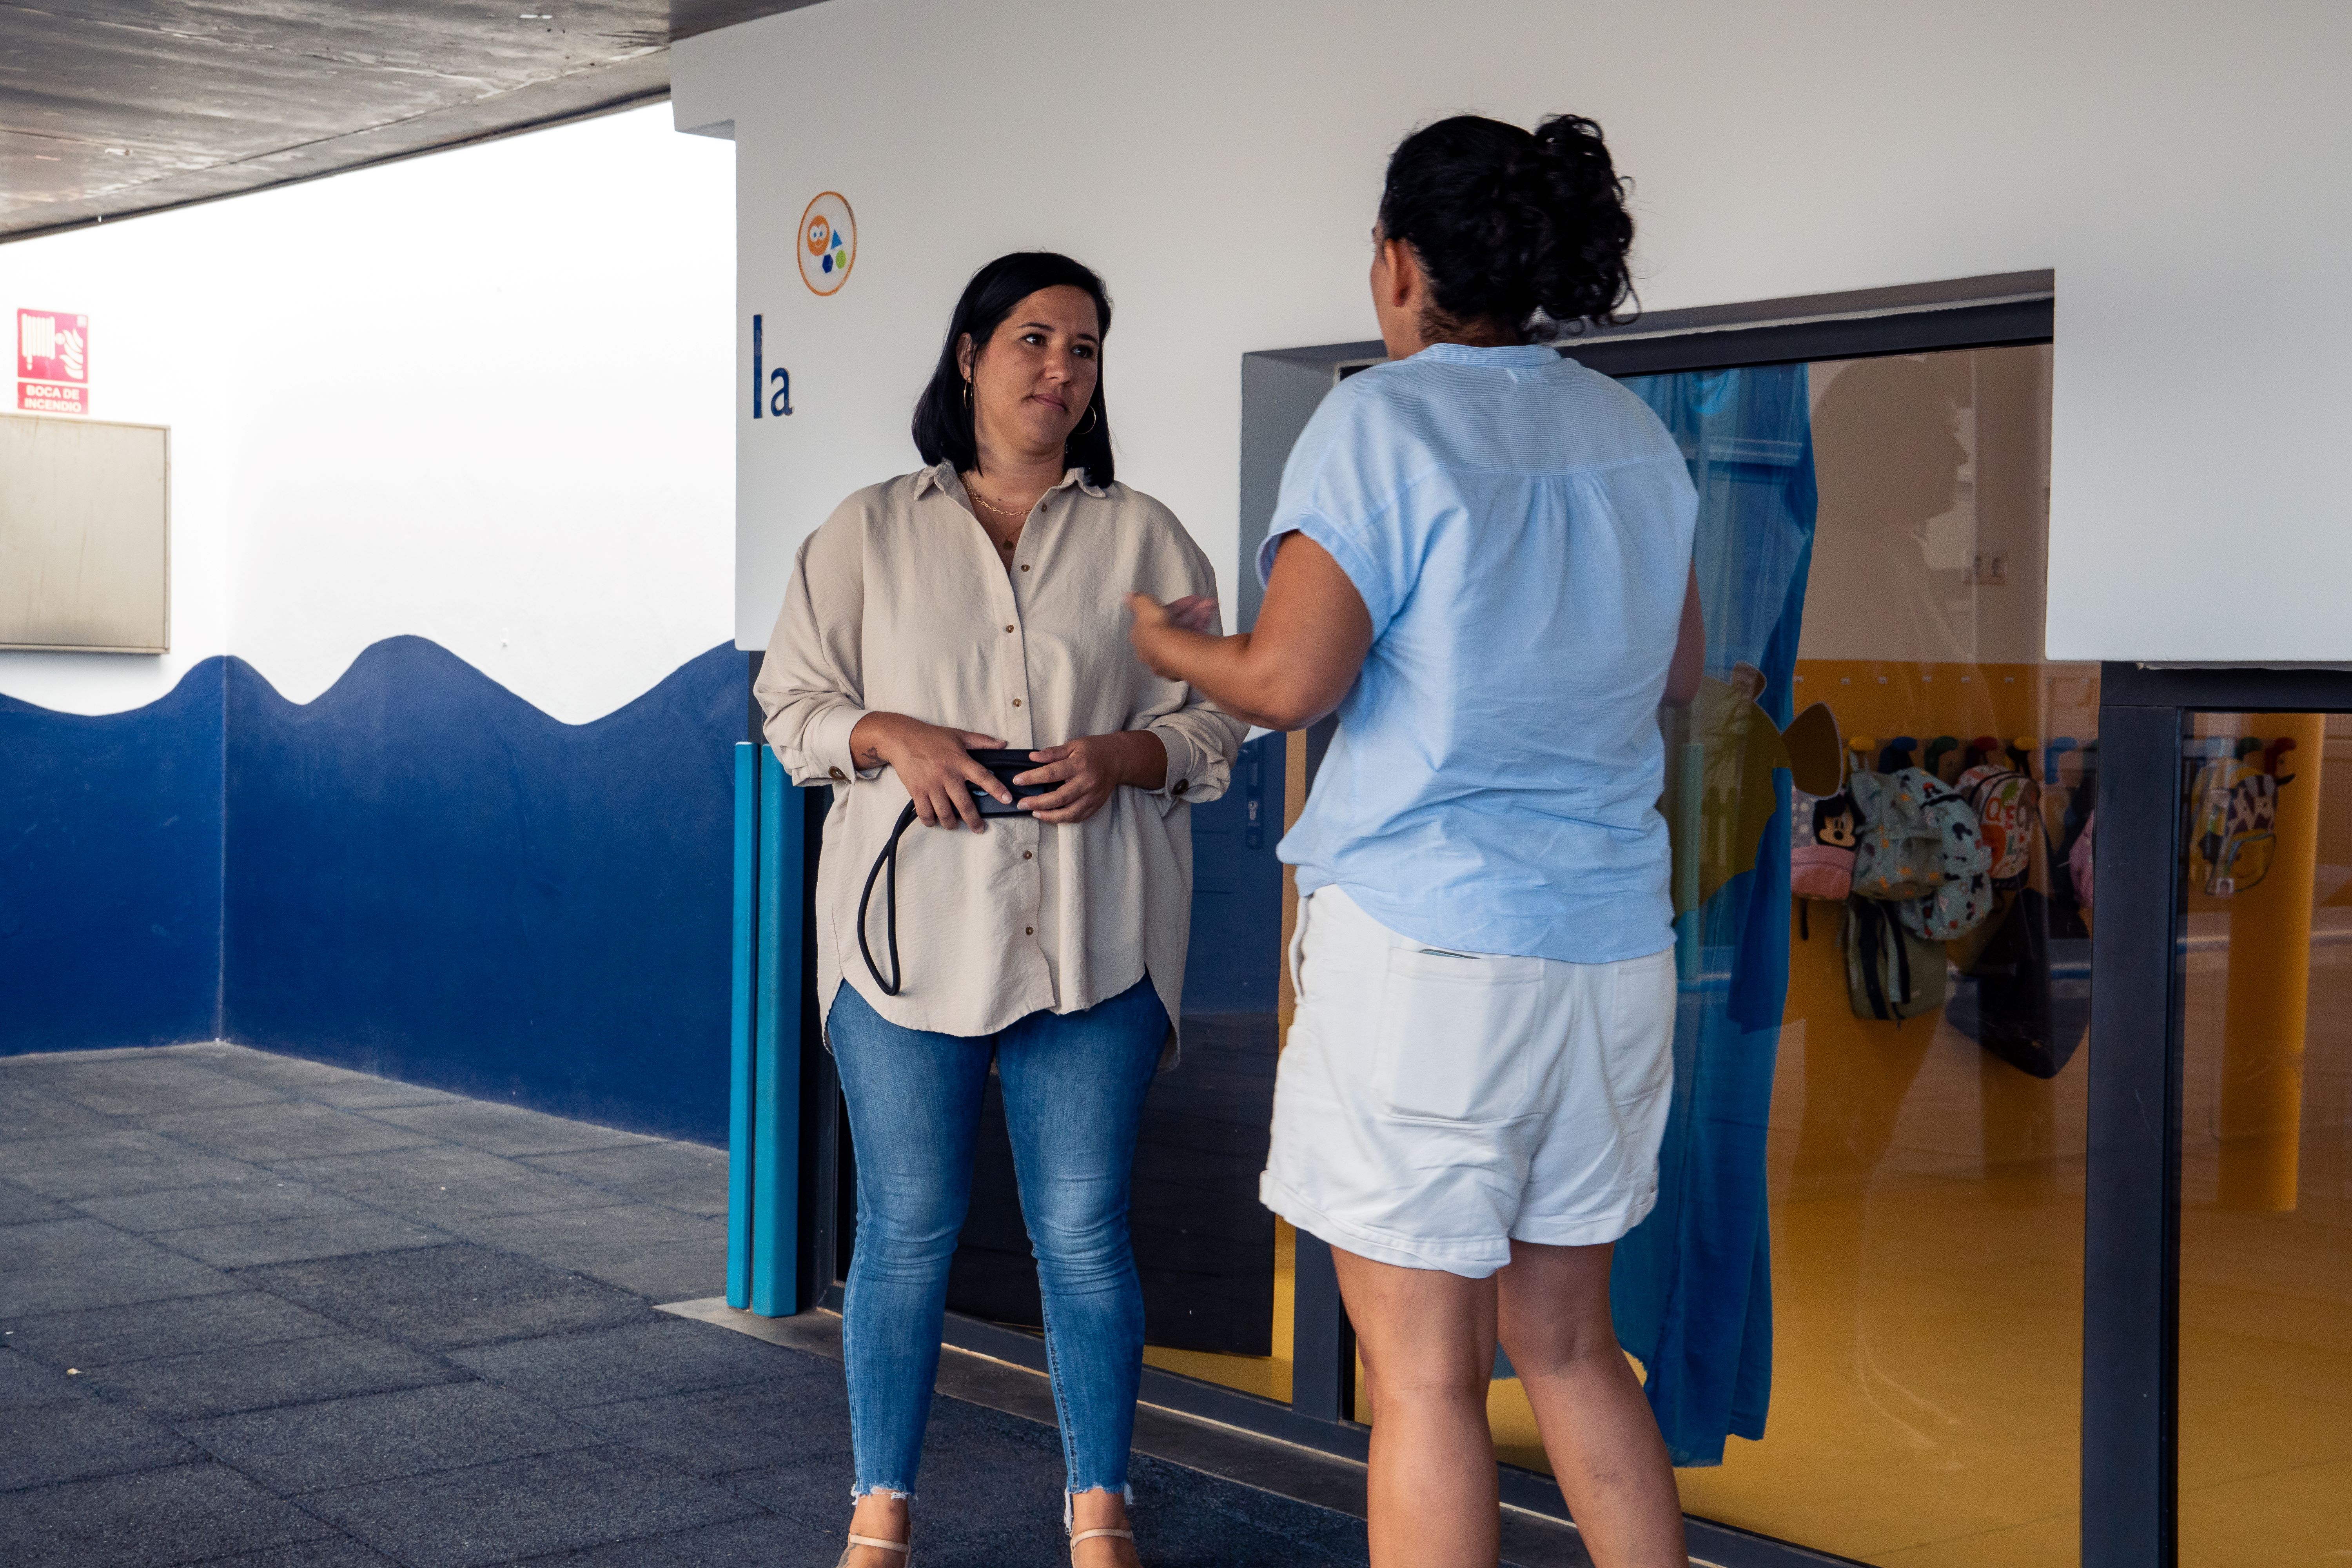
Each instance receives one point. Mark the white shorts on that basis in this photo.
(1432, 1107)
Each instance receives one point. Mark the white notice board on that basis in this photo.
(85, 535)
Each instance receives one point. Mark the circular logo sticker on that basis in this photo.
(828, 242)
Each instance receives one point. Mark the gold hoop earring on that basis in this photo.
(1094, 416)
(966, 394)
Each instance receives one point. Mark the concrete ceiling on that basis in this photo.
(111, 107)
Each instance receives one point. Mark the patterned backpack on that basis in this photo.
(2236, 801)
(1920, 850)
(2008, 813)
(1821, 846)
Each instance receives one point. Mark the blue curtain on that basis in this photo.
(1693, 1284)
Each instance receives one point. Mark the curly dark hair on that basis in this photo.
(1526, 231)
(942, 426)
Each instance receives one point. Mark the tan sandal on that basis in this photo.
(903, 1549)
(1091, 1534)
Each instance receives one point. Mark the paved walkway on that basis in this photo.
(262, 1313)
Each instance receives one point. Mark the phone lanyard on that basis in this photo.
(888, 858)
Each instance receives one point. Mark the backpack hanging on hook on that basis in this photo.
(2236, 802)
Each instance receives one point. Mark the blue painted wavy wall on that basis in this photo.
(423, 875)
(110, 871)
(431, 879)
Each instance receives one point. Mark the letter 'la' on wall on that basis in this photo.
(779, 402)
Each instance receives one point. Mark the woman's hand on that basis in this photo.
(1292, 667)
(934, 763)
(1194, 612)
(1090, 771)
(1155, 632)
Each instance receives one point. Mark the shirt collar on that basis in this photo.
(1513, 356)
(941, 476)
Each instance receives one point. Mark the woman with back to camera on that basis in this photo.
(975, 604)
(1481, 556)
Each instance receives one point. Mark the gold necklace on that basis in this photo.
(1019, 519)
(1018, 513)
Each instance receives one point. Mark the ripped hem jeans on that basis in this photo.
(1073, 1087)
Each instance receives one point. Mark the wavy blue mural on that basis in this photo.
(421, 874)
(110, 871)
(418, 874)
(430, 879)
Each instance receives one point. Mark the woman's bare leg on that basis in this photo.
(1603, 1443)
(1428, 1342)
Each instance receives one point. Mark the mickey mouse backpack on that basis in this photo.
(1821, 846)
(1822, 830)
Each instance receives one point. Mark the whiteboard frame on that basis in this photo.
(165, 644)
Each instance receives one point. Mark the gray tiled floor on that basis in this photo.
(259, 1313)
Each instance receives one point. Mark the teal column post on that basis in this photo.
(776, 1046)
(739, 1065)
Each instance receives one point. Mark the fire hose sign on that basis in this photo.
(52, 362)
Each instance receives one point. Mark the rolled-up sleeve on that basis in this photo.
(1202, 740)
(811, 680)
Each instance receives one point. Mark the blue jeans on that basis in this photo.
(1073, 1085)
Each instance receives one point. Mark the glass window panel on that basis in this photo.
(1914, 1358)
(2266, 1128)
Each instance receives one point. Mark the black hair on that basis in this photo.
(1526, 230)
(943, 413)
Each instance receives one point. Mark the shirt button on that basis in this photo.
(1025, 854)
(1182, 785)
(838, 776)
(1024, 566)
(1032, 931)
(1016, 702)
(1008, 628)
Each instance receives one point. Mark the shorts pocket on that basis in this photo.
(1295, 957)
(1640, 1046)
(1457, 1033)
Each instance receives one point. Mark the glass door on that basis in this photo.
(2265, 1339)
(1858, 1306)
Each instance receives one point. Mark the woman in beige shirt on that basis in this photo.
(977, 602)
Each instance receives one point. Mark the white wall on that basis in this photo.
(2180, 166)
(480, 397)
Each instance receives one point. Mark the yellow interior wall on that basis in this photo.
(1927, 1233)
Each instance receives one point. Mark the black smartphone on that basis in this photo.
(1004, 764)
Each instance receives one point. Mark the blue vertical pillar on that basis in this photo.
(739, 1064)
(776, 1045)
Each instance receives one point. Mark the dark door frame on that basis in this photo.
(2131, 1295)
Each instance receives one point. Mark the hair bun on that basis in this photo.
(1524, 229)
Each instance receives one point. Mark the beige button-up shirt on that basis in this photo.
(902, 602)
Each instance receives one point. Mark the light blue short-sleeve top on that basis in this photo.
(1519, 528)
